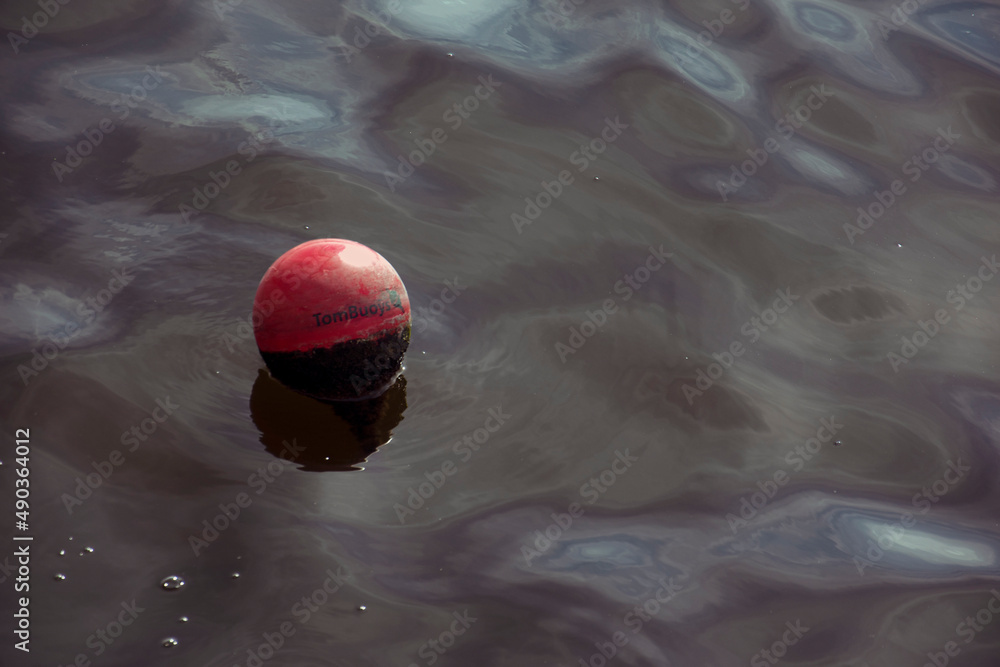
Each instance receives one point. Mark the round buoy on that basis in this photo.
(332, 320)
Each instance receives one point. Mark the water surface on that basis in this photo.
(704, 355)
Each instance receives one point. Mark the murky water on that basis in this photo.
(704, 366)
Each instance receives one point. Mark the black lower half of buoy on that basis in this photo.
(348, 371)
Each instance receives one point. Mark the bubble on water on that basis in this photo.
(87, 550)
(60, 577)
(183, 619)
(172, 583)
(169, 641)
(362, 608)
(236, 575)
(62, 552)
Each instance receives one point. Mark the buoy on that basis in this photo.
(332, 320)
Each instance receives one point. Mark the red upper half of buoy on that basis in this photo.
(325, 292)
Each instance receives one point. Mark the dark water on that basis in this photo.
(747, 417)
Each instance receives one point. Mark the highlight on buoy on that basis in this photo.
(332, 320)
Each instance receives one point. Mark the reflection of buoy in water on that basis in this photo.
(324, 435)
(332, 320)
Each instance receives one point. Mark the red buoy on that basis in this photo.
(332, 320)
